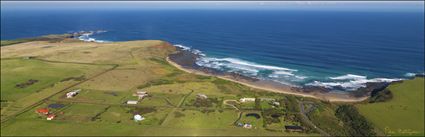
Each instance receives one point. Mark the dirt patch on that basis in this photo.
(26, 84)
(143, 110)
(45, 47)
(111, 93)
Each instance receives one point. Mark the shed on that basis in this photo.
(51, 117)
(132, 102)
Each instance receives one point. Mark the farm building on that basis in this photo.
(294, 128)
(141, 94)
(43, 111)
(201, 96)
(247, 100)
(132, 102)
(73, 93)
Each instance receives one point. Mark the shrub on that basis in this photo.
(356, 124)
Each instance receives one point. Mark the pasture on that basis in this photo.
(403, 114)
(108, 75)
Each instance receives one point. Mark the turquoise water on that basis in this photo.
(334, 49)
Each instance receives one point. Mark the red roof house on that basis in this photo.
(44, 111)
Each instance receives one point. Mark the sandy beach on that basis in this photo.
(331, 97)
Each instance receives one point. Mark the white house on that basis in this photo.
(247, 100)
(138, 117)
(132, 102)
(72, 93)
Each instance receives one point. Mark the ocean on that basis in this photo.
(336, 49)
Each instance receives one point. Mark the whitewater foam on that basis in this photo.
(350, 82)
(282, 75)
(86, 36)
(348, 77)
(194, 51)
(409, 74)
(182, 47)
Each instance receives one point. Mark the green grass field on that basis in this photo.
(15, 71)
(109, 73)
(112, 73)
(403, 114)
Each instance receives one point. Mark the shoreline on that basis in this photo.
(264, 85)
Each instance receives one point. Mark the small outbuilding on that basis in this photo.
(132, 102)
(51, 117)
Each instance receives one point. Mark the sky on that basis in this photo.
(264, 5)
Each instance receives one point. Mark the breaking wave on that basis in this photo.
(279, 74)
(194, 51)
(349, 82)
(247, 68)
(410, 74)
(85, 36)
(283, 75)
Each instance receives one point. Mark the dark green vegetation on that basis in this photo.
(356, 124)
(397, 110)
(381, 96)
(324, 117)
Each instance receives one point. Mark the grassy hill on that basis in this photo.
(403, 114)
(36, 74)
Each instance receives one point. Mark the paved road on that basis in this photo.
(306, 120)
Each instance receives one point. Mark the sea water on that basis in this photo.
(334, 49)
